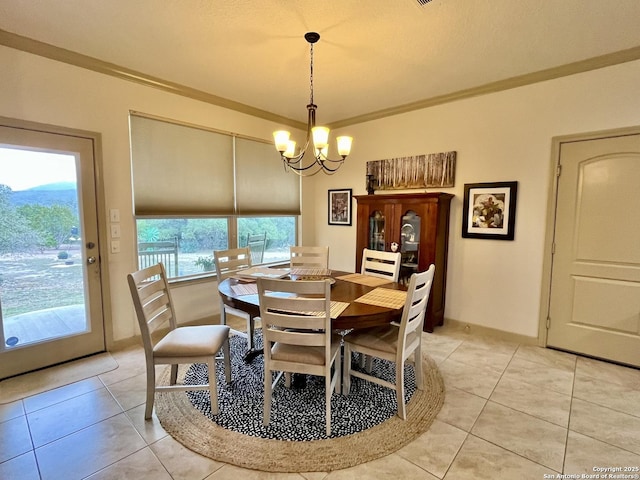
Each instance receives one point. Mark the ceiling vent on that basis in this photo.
(422, 3)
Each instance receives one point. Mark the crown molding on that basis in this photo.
(52, 52)
(589, 64)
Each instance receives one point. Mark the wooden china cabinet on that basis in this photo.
(419, 224)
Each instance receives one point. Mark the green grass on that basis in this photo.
(37, 282)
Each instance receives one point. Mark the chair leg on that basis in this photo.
(369, 365)
(213, 385)
(327, 401)
(250, 330)
(417, 365)
(346, 370)
(402, 411)
(174, 374)
(227, 360)
(266, 415)
(337, 365)
(151, 390)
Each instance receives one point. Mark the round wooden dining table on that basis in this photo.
(356, 315)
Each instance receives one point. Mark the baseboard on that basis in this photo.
(449, 324)
(480, 330)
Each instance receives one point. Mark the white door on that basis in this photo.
(594, 304)
(50, 285)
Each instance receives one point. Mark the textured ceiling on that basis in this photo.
(373, 55)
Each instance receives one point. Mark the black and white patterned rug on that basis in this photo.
(297, 413)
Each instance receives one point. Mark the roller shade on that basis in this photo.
(262, 185)
(180, 170)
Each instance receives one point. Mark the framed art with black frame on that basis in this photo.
(489, 210)
(340, 207)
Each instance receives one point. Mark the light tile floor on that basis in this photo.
(511, 411)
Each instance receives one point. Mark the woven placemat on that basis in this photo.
(384, 297)
(310, 272)
(368, 280)
(336, 309)
(192, 429)
(245, 289)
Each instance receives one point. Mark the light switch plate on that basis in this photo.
(114, 215)
(115, 230)
(115, 246)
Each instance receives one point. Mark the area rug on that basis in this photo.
(364, 424)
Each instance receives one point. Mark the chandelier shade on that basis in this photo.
(317, 137)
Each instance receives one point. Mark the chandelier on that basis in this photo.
(320, 135)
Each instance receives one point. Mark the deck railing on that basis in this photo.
(151, 253)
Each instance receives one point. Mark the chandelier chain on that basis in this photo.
(311, 76)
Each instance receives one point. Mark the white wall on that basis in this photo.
(41, 90)
(503, 136)
(498, 137)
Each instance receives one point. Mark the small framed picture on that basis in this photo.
(489, 210)
(340, 207)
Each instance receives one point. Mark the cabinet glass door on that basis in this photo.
(376, 231)
(409, 243)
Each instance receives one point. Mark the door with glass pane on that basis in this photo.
(50, 285)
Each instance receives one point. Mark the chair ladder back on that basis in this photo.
(308, 338)
(308, 313)
(228, 262)
(156, 304)
(309, 257)
(416, 305)
(381, 264)
(151, 300)
(284, 319)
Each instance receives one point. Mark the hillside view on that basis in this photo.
(61, 193)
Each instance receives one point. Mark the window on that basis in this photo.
(185, 245)
(280, 234)
(196, 191)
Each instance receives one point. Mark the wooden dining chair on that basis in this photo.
(381, 264)
(296, 327)
(396, 342)
(180, 345)
(309, 257)
(227, 263)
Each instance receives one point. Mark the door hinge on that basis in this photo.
(548, 322)
(558, 170)
(553, 248)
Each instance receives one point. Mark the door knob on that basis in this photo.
(91, 260)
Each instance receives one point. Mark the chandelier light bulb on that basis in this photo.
(320, 137)
(290, 150)
(344, 145)
(281, 139)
